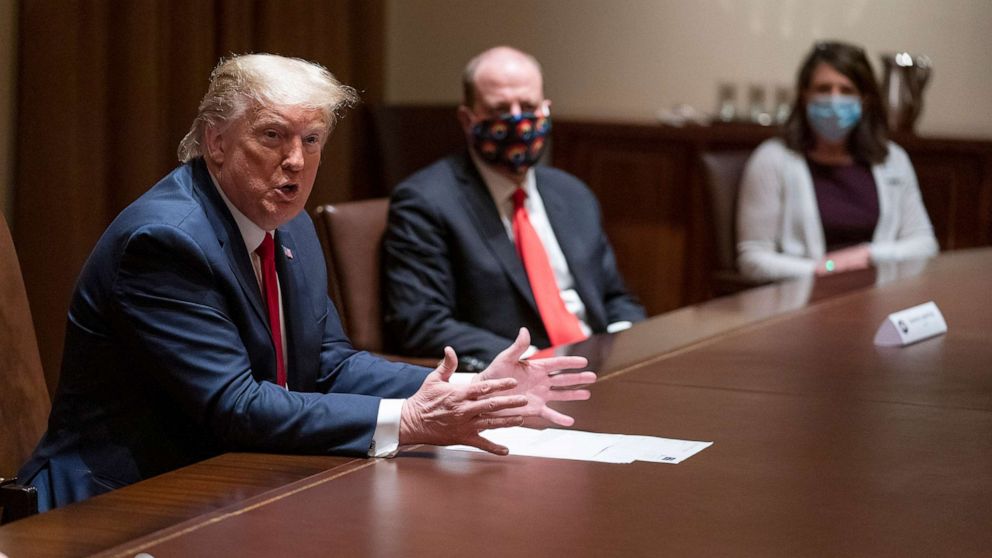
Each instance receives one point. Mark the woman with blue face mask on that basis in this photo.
(832, 193)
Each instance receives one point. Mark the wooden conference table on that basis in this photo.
(825, 445)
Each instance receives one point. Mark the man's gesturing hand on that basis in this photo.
(443, 414)
(540, 380)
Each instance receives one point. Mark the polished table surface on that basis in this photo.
(825, 445)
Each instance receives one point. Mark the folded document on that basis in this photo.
(590, 446)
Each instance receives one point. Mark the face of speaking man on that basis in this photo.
(266, 160)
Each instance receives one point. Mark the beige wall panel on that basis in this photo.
(627, 59)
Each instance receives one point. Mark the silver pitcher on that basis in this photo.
(905, 76)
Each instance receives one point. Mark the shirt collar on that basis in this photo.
(500, 187)
(252, 234)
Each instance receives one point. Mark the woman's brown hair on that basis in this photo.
(868, 141)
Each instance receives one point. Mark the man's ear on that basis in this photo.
(213, 148)
(465, 119)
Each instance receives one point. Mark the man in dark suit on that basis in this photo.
(201, 322)
(484, 242)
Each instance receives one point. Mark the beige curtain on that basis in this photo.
(106, 89)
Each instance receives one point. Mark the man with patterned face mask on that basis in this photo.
(483, 242)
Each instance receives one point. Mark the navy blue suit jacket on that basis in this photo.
(168, 358)
(453, 277)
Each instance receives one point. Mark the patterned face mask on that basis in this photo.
(513, 142)
(833, 116)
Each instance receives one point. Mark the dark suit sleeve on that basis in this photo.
(620, 305)
(577, 219)
(345, 370)
(420, 287)
(175, 312)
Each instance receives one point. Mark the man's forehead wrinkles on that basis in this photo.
(261, 116)
(309, 120)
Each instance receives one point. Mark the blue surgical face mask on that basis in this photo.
(833, 116)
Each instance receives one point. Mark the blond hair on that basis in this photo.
(241, 81)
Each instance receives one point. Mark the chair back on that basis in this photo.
(24, 400)
(722, 172)
(352, 236)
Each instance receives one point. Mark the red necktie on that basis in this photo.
(270, 288)
(562, 326)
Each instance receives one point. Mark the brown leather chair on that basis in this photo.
(24, 401)
(351, 233)
(722, 172)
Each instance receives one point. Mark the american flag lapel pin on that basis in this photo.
(288, 252)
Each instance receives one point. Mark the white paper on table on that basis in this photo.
(660, 450)
(557, 443)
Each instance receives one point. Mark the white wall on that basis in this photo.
(626, 59)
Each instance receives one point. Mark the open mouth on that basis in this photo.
(289, 189)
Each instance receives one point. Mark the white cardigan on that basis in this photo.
(779, 233)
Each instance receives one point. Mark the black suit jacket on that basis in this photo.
(168, 357)
(453, 276)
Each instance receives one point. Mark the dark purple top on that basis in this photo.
(848, 202)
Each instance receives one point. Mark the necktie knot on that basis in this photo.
(519, 195)
(267, 249)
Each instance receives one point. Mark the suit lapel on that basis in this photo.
(481, 207)
(296, 308)
(291, 284)
(230, 238)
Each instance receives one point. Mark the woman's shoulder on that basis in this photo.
(897, 156)
(774, 150)
(896, 150)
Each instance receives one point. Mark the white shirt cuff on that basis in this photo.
(386, 438)
(618, 326)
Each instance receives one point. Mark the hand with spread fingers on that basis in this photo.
(442, 413)
(540, 380)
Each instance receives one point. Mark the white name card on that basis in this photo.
(911, 325)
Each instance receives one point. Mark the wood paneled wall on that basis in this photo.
(648, 181)
(107, 89)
